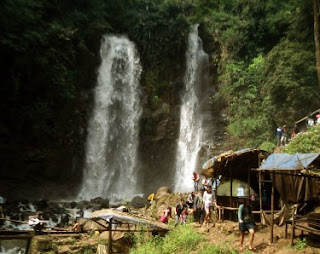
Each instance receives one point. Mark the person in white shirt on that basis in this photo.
(208, 200)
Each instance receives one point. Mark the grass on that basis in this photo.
(300, 245)
(182, 239)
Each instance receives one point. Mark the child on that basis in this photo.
(184, 215)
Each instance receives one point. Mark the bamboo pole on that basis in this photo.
(249, 182)
(260, 197)
(272, 208)
(230, 201)
(110, 237)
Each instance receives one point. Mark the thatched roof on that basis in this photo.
(236, 163)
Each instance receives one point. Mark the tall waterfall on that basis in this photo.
(110, 169)
(191, 120)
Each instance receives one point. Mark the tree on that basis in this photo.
(316, 15)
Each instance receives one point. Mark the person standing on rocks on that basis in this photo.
(196, 180)
(246, 223)
(279, 135)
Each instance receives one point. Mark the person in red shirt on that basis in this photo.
(196, 180)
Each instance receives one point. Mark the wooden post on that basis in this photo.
(272, 207)
(260, 197)
(292, 228)
(110, 237)
(230, 201)
(249, 183)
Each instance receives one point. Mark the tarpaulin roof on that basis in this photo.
(283, 161)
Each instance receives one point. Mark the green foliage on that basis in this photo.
(262, 50)
(301, 244)
(248, 106)
(217, 249)
(180, 239)
(270, 91)
(268, 146)
(307, 142)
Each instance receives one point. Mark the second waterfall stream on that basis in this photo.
(191, 120)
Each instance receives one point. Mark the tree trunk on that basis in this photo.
(316, 35)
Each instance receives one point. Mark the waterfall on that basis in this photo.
(110, 169)
(191, 120)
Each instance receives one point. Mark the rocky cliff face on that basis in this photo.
(41, 170)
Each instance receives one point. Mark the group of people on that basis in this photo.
(202, 203)
(198, 203)
(283, 135)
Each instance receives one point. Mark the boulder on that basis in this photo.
(89, 225)
(139, 202)
(105, 204)
(41, 205)
(73, 205)
(97, 200)
(162, 192)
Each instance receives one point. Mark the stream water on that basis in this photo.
(111, 168)
(191, 119)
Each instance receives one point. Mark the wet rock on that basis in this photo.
(105, 204)
(139, 202)
(73, 205)
(97, 200)
(41, 205)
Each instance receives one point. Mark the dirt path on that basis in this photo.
(227, 234)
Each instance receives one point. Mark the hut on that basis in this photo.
(293, 177)
(234, 168)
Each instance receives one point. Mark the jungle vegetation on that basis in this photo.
(262, 52)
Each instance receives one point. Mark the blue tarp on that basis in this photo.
(283, 161)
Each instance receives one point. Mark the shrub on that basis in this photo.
(268, 146)
(307, 142)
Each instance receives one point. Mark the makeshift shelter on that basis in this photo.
(234, 165)
(291, 175)
(111, 220)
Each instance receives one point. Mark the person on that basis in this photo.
(179, 209)
(166, 214)
(310, 121)
(184, 215)
(36, 223)
(204, 183)
(295, 131)
(76, 226)
(198, 207)
(190, 200)
(209, 182)
(2, 217)
(284, 137)
(151, 197)
(196, 180)
(208, 199)
(246, 223)
(279, 135)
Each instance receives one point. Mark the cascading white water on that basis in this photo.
(190, 136)
(110, 169)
